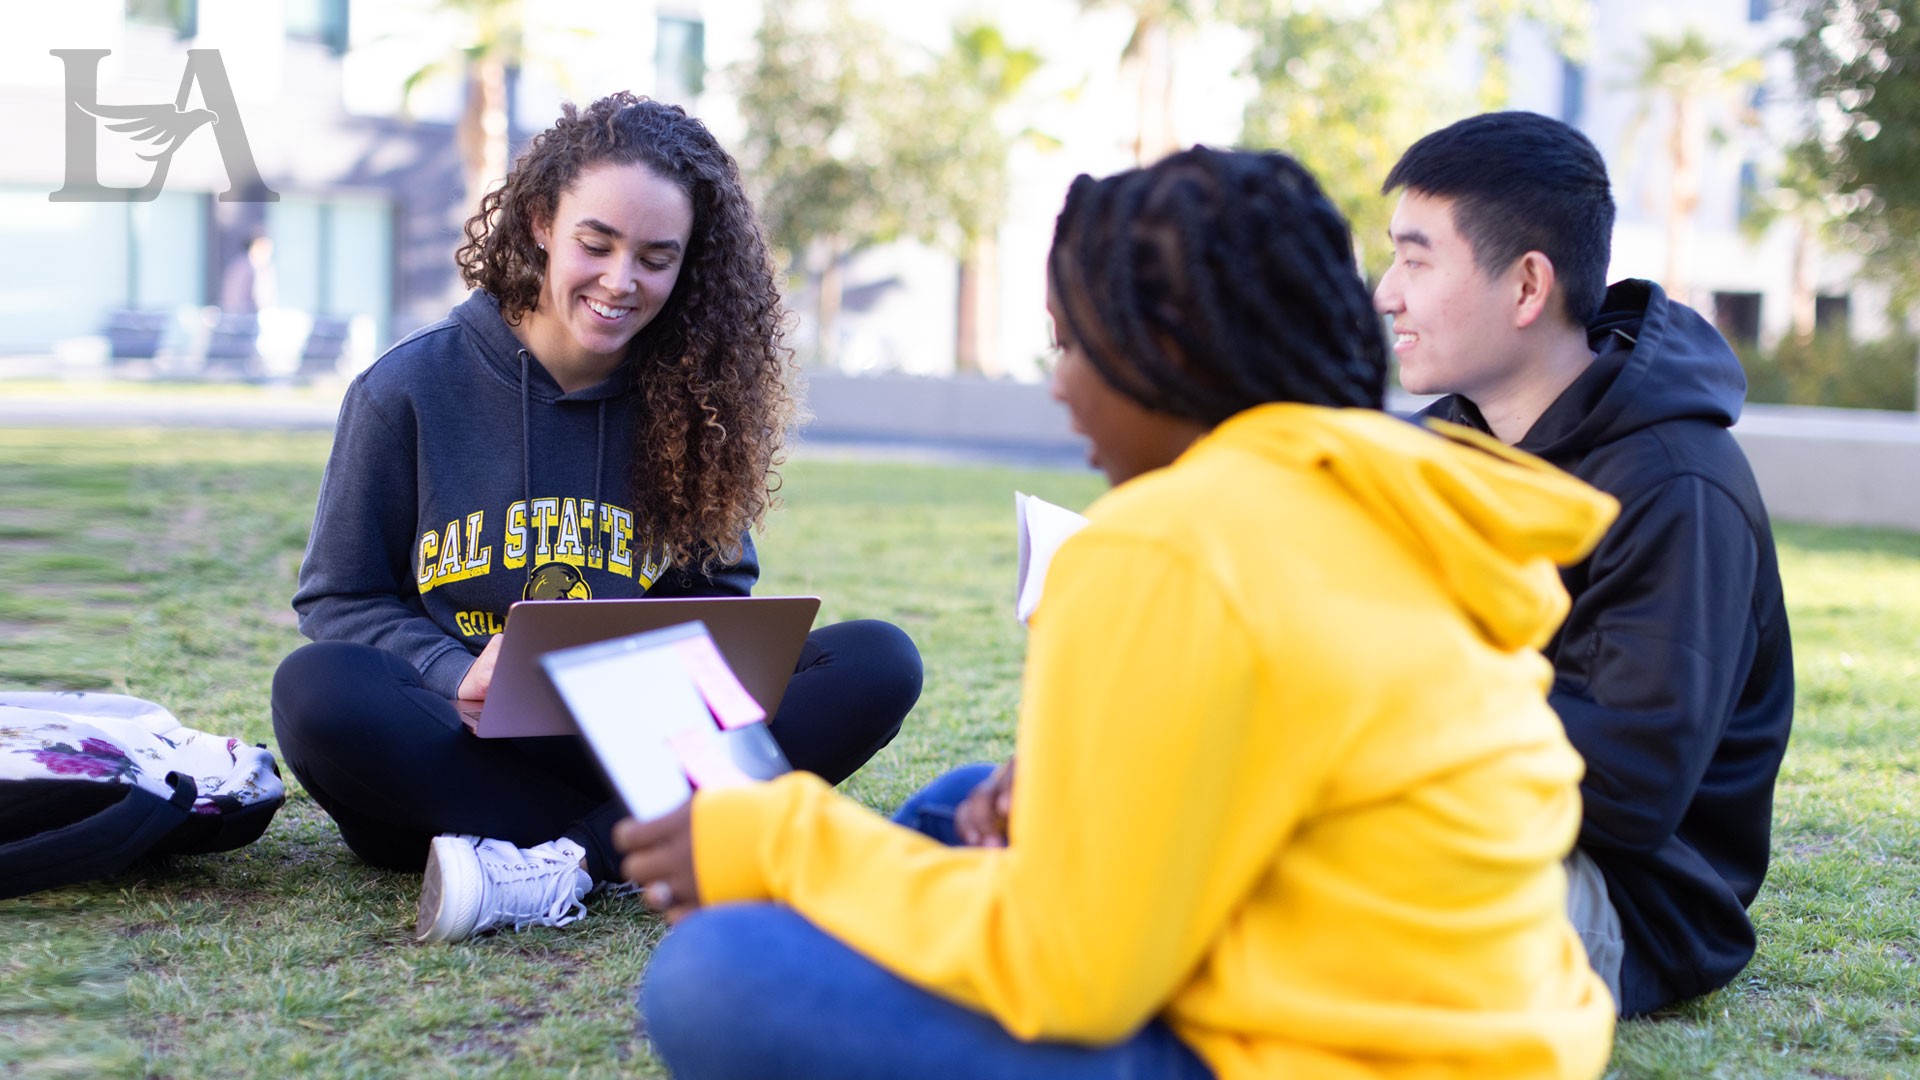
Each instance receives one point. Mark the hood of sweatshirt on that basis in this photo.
(501, 354)
(1496, 523)
(1654, 360)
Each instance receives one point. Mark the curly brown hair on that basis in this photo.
(711, 374)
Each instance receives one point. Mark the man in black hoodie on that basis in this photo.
(1673, 672)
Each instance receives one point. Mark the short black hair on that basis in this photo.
(1214, 281)
(1521, 182)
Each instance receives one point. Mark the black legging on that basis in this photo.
(394, 765)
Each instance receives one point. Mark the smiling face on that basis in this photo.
(614, 248)
(1455, 329)
(1126, 438)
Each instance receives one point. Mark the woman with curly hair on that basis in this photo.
(602, 417)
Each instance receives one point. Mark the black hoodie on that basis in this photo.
(1673, 672)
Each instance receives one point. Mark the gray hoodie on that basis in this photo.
(463, 479)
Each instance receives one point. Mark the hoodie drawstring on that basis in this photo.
(599, 458)
(526, 445)
(526, 436)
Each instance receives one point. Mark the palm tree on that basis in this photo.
(1690, 74)
(492, 41)
(985, 73)
(1149, 50)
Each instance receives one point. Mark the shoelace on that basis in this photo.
(532, 886)
(612, 890)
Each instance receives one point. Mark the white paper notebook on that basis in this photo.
(1042, 528)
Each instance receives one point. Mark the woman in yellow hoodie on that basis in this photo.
(1290, 800)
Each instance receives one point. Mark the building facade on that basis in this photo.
(369, 198)
(355, 182)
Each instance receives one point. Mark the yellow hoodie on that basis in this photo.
(1287, 775)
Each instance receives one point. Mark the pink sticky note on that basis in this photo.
(703, 754)
(731, 704)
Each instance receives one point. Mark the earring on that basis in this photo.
(542, 247)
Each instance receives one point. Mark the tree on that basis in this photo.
(1857, 61)
(1801, 197)
(953, 157)
(1347, 88)
(849, 145)
(1149, 54)
(819, 98)
(491, 38)
(1696, 81)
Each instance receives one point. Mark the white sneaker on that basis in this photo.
(474, 885)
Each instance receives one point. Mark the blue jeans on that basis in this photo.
(930, 810)
(755, 990)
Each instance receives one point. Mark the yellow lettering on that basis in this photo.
(582, 532)
(449, 553)
(477, 557)
(429, 554)
(594, 516)
(445, 558)
(515, 555)
(568, 547)
(546, 514)
(652, 566)
(620, 536)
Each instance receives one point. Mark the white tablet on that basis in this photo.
(652, 706)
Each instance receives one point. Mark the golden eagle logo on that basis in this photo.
(556, 581)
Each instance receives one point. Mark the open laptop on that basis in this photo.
(760, 637)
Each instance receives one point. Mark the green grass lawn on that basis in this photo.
(160, 563)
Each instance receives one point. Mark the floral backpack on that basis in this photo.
(91, 782)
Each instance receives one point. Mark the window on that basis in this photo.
(180, 16)
(1831, 313)
(324, 21)
(334, 257)
(167, 251)
(1573, 91)
(71, 265)
(360, 261)
(66, 267)
(679, 59)
(1737, 314)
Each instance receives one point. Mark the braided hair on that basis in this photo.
(1214, 281)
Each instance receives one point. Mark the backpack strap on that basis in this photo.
(231, 824)
(97, 846)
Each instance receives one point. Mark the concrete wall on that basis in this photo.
(1835, 466)
(1827, 466)
(1830, 466)
(907, 408)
